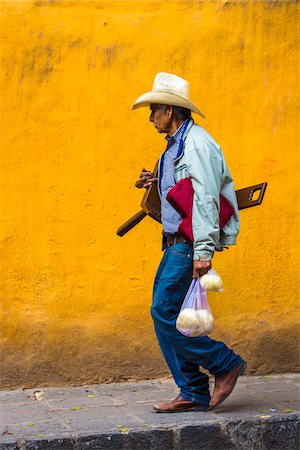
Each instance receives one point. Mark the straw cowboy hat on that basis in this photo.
(168, 89)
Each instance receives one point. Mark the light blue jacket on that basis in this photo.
(203, 162)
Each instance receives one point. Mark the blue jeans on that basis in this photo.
(184, 355)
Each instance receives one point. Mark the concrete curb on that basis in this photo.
(270, 433)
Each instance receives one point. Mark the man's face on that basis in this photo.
(161, 120)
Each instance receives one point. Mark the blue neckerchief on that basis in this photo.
(180, 148)
(181, 143)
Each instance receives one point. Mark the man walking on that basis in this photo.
(190, 153)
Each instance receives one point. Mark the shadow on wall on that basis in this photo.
(277, 351)
(121, 358)
(272, 351)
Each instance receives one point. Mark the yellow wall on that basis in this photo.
(75, 297)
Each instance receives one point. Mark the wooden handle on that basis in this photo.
(132, 222)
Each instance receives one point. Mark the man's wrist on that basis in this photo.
(202, 257)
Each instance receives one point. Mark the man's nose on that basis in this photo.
(151, 117)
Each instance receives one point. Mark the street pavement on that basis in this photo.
(261, 413)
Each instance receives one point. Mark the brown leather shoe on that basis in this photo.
(179, 404)
(224, 385)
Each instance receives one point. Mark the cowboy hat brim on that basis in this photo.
(165, 98)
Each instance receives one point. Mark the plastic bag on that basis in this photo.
(195, 317)
(212, 281)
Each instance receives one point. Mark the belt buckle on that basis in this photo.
(171, 240)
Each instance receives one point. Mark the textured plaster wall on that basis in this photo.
(75, 298)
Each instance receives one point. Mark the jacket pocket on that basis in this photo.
(180, 167)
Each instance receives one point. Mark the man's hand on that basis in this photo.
(146, 179)
(201, 268)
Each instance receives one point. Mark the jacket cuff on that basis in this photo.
(203, 256)
(228, 240)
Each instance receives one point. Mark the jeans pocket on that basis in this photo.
(182, 249)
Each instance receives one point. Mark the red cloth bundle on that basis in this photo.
(181, 198)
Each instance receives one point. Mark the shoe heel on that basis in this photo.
(242, 369)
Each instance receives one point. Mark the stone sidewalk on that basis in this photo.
(261, 413)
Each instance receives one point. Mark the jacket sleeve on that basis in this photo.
(231, 229)
(205, 168)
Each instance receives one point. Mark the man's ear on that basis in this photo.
(170, 110)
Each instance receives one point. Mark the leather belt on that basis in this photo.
(174, 239)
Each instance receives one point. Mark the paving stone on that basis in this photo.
(103, 442)
(18, 445)
(202, 437)
(151, 440)
(12, 446)
(45, 425)
(246, 434)
(155, 419)
(53, 444)
(282, 433)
